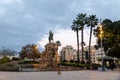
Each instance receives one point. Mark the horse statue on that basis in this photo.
(50, 36)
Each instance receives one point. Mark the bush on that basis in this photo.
(27, 66)
(87, 66)
(95, 66)
(71, 61)
(12, 66)
(4, 60)
(15, 59)
(29, 62)
(77, 62)
(64, 61)
(72, 64)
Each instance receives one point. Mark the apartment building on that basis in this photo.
(92, 54)
(68, 53)
(95, 54)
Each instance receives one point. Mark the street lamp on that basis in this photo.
(101, 36)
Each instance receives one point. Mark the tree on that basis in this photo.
(4, 59)
(7, 52)
(76, 28)
(111, 37)
(78, 24)
(58, 43)
(114, 40)
(30, 51)
(92, 21)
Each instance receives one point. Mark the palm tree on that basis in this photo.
(78, 24)
(75, 28)
(92, 21)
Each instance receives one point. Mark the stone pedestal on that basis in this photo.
(50, 58)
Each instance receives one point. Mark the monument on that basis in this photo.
(50, 38)
(50, 58)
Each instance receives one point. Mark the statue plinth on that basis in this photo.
(50, 57)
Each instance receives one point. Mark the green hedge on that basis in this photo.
(95, 66)
(72, 64)
(87, 66)
(28, 62)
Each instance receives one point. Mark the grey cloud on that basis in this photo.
(28, 20)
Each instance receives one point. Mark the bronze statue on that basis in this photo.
(50, 36)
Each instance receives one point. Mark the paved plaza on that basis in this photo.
(65, 75)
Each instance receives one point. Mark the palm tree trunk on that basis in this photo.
(78, 46)
(82, 44)
(89, 51)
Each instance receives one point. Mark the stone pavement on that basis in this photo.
(65, 75)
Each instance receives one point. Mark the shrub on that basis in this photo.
(95, 66)
(4, 60)
(27, 66)
(72, 64)
(87, 66)
(15, 59)
(64, 61)
(29, 62)
(71, 61)
(12, 66)
(76, 61)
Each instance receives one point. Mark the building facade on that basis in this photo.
(68, 53)
(92, 54)
(95, 54)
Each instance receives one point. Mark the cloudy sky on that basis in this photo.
(29, 21)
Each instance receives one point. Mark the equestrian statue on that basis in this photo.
(50, 38)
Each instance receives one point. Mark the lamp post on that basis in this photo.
(101, 37)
